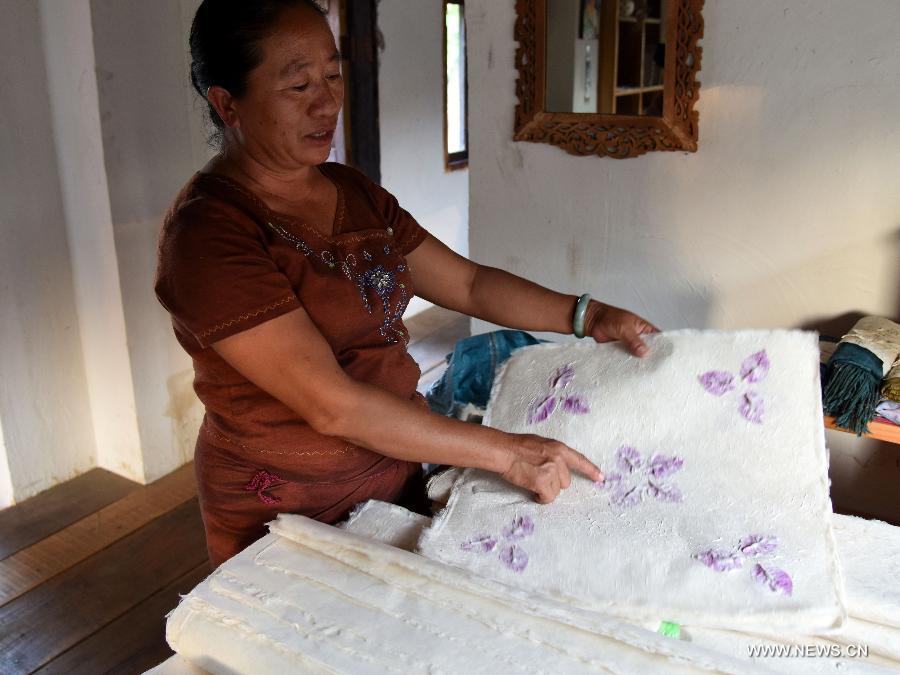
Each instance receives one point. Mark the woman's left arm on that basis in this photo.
(449, 280)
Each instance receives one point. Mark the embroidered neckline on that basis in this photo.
(340, 211)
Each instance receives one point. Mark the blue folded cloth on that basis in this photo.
(471, 369)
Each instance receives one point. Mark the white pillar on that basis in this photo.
(47, 435)
(72, 84)
(7, 497)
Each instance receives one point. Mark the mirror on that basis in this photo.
(608, 77)
(606, 56)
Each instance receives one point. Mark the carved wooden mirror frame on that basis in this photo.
(618, 136)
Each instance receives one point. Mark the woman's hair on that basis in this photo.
(225, 44)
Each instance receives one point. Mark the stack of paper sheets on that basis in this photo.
(313, 598)
(714, 515)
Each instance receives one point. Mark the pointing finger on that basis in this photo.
(575, 460)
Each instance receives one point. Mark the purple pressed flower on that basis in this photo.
(752, 407)
(663, 465)
(755, 367)
(640, 479)
(483, 544)
(514, 558)
(519, 528)
(627, 496)
(777, 580)
(755, 545)
(628, 459)
(541, 408)
(575, 404)
(664, 493)
(562, 377)
(717, 382)
(610, 481)
(720, 561)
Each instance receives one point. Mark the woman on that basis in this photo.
(286, 278)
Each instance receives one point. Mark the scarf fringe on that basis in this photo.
(851, 395)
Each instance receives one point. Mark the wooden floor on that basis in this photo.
(89, 569)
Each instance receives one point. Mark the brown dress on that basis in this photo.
(227, 263)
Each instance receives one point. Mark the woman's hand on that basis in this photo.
(606, 323)
(544, 466)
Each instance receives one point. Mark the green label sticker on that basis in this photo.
(670, 629)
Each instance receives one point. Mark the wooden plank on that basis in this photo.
(431, 350)
(55, 616)
(425, 323)
(880, 431)
(133, 643)
(32, 566)
(52, 510)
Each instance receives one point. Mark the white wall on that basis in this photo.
(789, 211)
(44, 410)
(411, 114)
(787, 214)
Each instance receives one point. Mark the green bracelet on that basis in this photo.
(580, 312)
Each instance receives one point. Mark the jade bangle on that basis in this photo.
(580, 312)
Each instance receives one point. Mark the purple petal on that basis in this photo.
(720, 561)
(514, 557)
(575, 404)
(563, 376)
(664, 493)
(610, 481)
(627, 496)
(628, 459)
(520, 528)
(663, 465)
(755, 367)
(755, 545)
(752, 407)
(540, 409)
(482, 544)
(717, 382)
(777, 580)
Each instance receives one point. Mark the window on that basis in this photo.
(456, 146)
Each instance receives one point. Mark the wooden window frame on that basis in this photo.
(456, 160)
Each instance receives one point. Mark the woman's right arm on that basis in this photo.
(288, 358)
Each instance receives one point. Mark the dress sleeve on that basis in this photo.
(215, 275)
(408, 234)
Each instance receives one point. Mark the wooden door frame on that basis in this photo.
(359, 48)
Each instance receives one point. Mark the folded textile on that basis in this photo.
(715, 508)
(890, 388)
(855, 370)
(471, 368)
(889, 410)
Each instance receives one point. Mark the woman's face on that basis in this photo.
(288, 115)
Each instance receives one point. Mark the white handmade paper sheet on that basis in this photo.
(313, 598)
(715, 508)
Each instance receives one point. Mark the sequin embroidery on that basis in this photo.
(380, 280)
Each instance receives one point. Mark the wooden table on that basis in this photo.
(881, 431)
